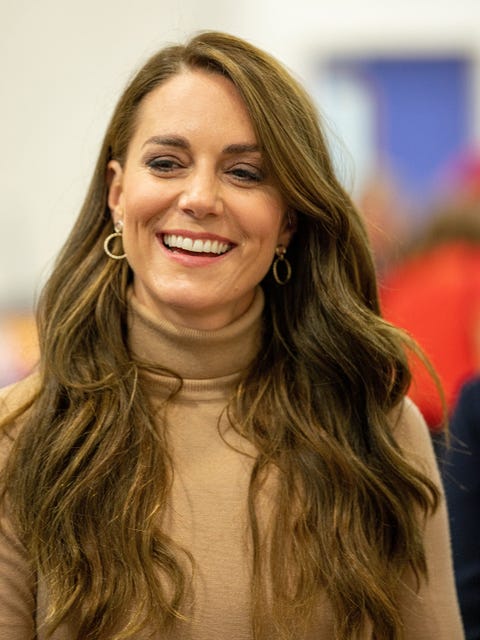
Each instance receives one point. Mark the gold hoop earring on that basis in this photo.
(116, 234)
(281, 260)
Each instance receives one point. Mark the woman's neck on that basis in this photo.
(195, 353)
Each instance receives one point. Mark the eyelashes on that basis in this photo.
(243, 173)
(163, 165)
(247, 174)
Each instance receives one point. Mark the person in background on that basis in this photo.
(461, 477)
(217, 443)
(384, 210)
(434, 293)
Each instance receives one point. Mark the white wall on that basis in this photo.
(64, 62)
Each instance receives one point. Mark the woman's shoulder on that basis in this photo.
(17, 394)
(408, 420)
(412, 435)
(12, 399)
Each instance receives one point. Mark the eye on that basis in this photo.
(246, 173)
(163, 164)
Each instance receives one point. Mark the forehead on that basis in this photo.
(193, 99)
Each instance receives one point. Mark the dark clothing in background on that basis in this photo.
(461, 473)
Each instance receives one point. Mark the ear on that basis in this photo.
(288, 228)
(115, 189)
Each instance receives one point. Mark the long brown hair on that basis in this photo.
(316, 403)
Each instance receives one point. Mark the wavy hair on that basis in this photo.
(90, 473)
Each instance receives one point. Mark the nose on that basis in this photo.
(201, 194)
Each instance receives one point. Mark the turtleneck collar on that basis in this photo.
(194, 354)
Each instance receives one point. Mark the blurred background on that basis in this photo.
(398, 84)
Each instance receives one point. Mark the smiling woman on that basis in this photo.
(196, 173)
(216, 443)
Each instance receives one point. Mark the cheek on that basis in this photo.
(268, 226)
(138, 215)
(139, 208)
(144, 198)
(263, 216)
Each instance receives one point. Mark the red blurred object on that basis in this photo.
(435, 296)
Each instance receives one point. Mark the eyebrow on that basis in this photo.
(168, 141)
(242, 148)
(181, 143)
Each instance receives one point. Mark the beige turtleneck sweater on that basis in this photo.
(208, 514)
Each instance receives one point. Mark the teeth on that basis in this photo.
(196, 246)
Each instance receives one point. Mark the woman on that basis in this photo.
(216, 444)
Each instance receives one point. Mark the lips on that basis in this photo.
(176, 242)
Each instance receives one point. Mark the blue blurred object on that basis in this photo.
(423, 114)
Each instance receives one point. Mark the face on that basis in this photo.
(201, 216)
